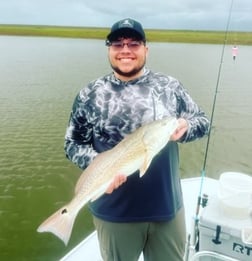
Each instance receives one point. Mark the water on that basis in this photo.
(39, 78)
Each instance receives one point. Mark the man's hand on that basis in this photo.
(181, 130)
(116, 183)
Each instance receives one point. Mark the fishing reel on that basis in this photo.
(204, 200)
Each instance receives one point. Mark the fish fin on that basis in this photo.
(143, 169)
(147, 157)
(60, 224)
(145, 165)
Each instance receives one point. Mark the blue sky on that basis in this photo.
(159, 14)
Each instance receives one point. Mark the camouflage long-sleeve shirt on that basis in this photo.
(107, 110)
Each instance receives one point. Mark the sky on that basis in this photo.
(152, 14)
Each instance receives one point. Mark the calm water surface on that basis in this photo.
(39, 78)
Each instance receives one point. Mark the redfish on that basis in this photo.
(134, 152)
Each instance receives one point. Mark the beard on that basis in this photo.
(131, 73)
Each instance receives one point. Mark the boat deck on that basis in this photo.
(88, 249)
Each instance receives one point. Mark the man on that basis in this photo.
(136, 214)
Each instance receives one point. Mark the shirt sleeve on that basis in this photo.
(197, 120)
(79, 134)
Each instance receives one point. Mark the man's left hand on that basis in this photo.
(181, 130)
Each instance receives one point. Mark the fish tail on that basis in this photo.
(60, 224)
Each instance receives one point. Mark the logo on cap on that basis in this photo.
(126, 23)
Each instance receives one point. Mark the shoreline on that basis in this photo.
(152, 35)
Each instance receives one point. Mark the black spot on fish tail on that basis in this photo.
(64, 211)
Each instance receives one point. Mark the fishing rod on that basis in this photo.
(203, 200)
(203, 172)
(217, 85)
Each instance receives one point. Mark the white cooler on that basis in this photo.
(225, 232)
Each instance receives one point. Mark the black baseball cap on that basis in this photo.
(126, 28)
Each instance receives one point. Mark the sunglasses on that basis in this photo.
(119, 45)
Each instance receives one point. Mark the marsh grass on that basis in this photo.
(182, 36)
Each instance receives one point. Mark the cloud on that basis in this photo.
(180, 14)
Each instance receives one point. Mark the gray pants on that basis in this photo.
(159, 241)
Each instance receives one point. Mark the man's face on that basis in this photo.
(127, 58)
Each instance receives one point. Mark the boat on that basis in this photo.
(215, 230)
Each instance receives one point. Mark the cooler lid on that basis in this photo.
(213, 215)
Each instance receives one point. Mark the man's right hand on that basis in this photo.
(118, 180)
